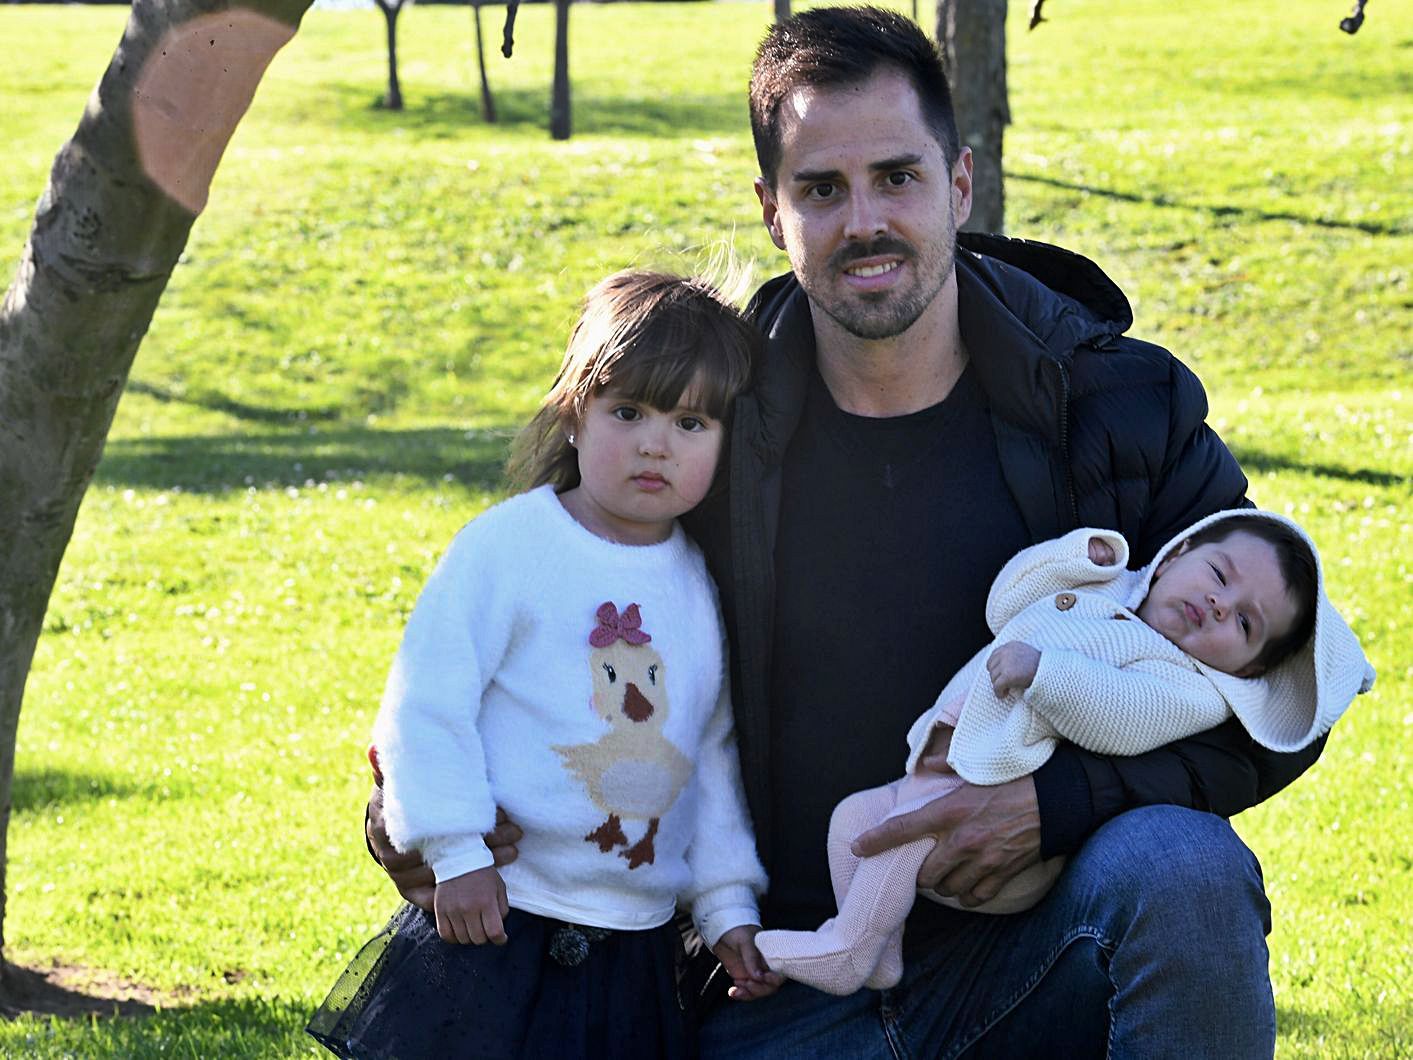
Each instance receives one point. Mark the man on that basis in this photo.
(929, 404)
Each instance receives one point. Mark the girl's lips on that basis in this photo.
(649, 482)
(1194, 614)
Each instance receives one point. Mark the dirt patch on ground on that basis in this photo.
(67, 990)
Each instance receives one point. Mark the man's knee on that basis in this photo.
(1159, 859)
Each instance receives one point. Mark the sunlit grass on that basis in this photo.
(373, 301)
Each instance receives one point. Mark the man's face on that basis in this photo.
(865, 204)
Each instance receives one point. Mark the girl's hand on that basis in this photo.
(750, 978)
(1101, 553)
(1012, 667)
(471, 908)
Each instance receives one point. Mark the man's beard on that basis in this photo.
(894, 312)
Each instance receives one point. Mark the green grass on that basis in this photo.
(372, 301)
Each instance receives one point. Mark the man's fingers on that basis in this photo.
(924, 821)
(492, 927)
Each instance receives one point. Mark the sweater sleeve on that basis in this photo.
(1048, 567)
(1122, 710)
(726, 872)
(437, 797)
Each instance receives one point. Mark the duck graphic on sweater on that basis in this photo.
(632, 772)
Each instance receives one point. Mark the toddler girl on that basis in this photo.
(566, 663)
(1231, 619)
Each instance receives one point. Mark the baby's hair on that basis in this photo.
(651, 336)
(1297, 566)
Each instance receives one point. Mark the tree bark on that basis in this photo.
(122, 196)
(972, 35)
(559, 95)
(393, 99)
(488, 103)
(782, 10)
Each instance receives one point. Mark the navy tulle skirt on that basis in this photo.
(554, 990)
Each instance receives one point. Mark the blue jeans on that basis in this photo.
(1151, 944)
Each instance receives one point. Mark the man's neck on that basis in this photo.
(895, 376)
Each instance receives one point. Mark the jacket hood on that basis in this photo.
(1297, 701)
(1062, 297)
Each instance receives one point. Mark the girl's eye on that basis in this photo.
(1220, 576)
(626, 413)
(1245, 625)
(692, 423)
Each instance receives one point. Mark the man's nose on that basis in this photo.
(866, 218)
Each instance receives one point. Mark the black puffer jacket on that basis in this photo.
(1093, 429)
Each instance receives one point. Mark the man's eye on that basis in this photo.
(626, 413)
(900, 179)
(1217, 571)
(822, 190)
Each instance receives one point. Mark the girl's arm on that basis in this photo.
(726, 871)
(1038, 571)
(436, 795)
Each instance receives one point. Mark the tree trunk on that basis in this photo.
(782, 10)
(559, 95)
(488, 103)
(122, 196)
(390, 10)
(972, 34)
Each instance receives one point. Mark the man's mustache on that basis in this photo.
(852, 252)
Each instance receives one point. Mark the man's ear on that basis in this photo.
(961, 187)
(770, 212)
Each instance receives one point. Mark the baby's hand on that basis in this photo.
(1012, 667)
(471, 908)
(1101, 553)
(750, 978)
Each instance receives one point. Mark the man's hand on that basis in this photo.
(1012, 667)
(985, 835)
(409, 873)
(750, 978)
(1101, 553)
(471, 908)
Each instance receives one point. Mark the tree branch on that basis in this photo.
(508, 34)
(1035, 16)
(1351, 24)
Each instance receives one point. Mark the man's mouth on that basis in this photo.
(868, 271)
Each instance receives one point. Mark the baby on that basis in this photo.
(1231, 619)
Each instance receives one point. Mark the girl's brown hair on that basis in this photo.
(650, 336)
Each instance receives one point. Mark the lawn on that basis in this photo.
(373, 301)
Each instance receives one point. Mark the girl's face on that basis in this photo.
(1221, 602)
(639, 467)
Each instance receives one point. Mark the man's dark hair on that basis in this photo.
(1297, 566)
(837, 47)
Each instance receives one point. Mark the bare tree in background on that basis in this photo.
(488, 103)
(559, 95)
(121, 200)
(972, 36)
(391, 9)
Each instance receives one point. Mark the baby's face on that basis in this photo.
(1221, 602)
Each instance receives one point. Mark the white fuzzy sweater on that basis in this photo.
(617, 757)
(1110, 683)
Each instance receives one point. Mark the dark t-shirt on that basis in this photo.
(891, 532)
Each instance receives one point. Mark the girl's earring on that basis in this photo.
(570, 436)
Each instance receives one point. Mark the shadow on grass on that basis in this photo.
(1243, 213)
(1254, 460)
(1386, 1028)
(443, 115)
(79, 1021)
(220, 463)
(36, 789)
(238, 409)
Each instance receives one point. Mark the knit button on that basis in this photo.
(1064, 601)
